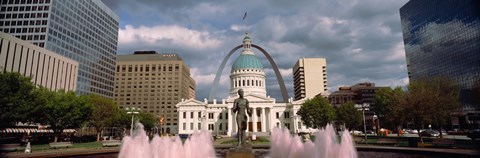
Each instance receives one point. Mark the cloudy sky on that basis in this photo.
(361, 39)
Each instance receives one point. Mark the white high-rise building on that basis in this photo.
(310, 78)
(247, 73)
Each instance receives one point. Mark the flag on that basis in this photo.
(244, 16)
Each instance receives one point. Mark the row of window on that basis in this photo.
(23, 16)
(211, 127)
(242, 83)
(210, 115)
(147, 68)
(25, 1)
(25, 8)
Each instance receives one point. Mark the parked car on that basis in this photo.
(430, 133)
(474, 134)
(356, 132)
(370, 132)
(411, 131)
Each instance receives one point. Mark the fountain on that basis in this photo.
(283, 145)
(200, 144)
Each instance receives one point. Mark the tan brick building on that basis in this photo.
(155, 83)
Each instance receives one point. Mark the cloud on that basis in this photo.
(361, 39)
(166, 36)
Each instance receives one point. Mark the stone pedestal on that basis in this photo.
(244, 151)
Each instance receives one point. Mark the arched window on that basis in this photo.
(248, 82)
(243, 81)
(256, 82)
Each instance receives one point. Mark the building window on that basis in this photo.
(184, 126)
(220, 126)
(199, 114)
(278, 125)
(191, 114)
(226, 116)
(287, 114)
(199, 126)
(210, 115)
(277, 115)
(210, 127)
(191, 126)
(220, 116)
(184, 114)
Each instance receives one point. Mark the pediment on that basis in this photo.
(190, 103)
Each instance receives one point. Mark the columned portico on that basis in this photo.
(230, 122)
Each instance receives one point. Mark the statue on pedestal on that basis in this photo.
(241, 107)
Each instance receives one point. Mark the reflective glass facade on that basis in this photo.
(85, 31)
(442, 38)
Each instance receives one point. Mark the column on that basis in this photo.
(263, 120)
(195, 121)
(254, 120)
(229, 127)
(272, 114)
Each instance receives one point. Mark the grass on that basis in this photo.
(260, 140)
(44, 147)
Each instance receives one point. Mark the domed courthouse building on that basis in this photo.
(247, 73)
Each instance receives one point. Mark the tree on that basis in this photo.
(147, 119)
(105, 113)
(62, 110)
(16, 98)
(390, 108)
(316, 112)
(349, 115)
(431, 100)
(445, 95)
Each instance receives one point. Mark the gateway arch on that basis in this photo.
(281, 83)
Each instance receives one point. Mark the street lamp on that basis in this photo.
(132, 111)
(363, 106)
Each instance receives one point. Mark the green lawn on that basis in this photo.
(260, 140)
(43, 147)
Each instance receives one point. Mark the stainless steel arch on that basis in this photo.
(280, 81)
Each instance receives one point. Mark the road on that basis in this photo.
(416, 135)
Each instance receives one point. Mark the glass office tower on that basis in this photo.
(442, 38)
(85, 31)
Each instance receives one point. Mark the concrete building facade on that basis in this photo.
(154, 83)
(85, 31)
(46, 68)
(309, 77)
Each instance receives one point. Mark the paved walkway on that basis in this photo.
(62, 152)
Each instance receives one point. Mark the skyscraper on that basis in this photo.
(85, 31)
(309, 77)
(154, 83)
(441, 38)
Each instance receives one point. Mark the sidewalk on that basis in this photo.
(63, 152)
